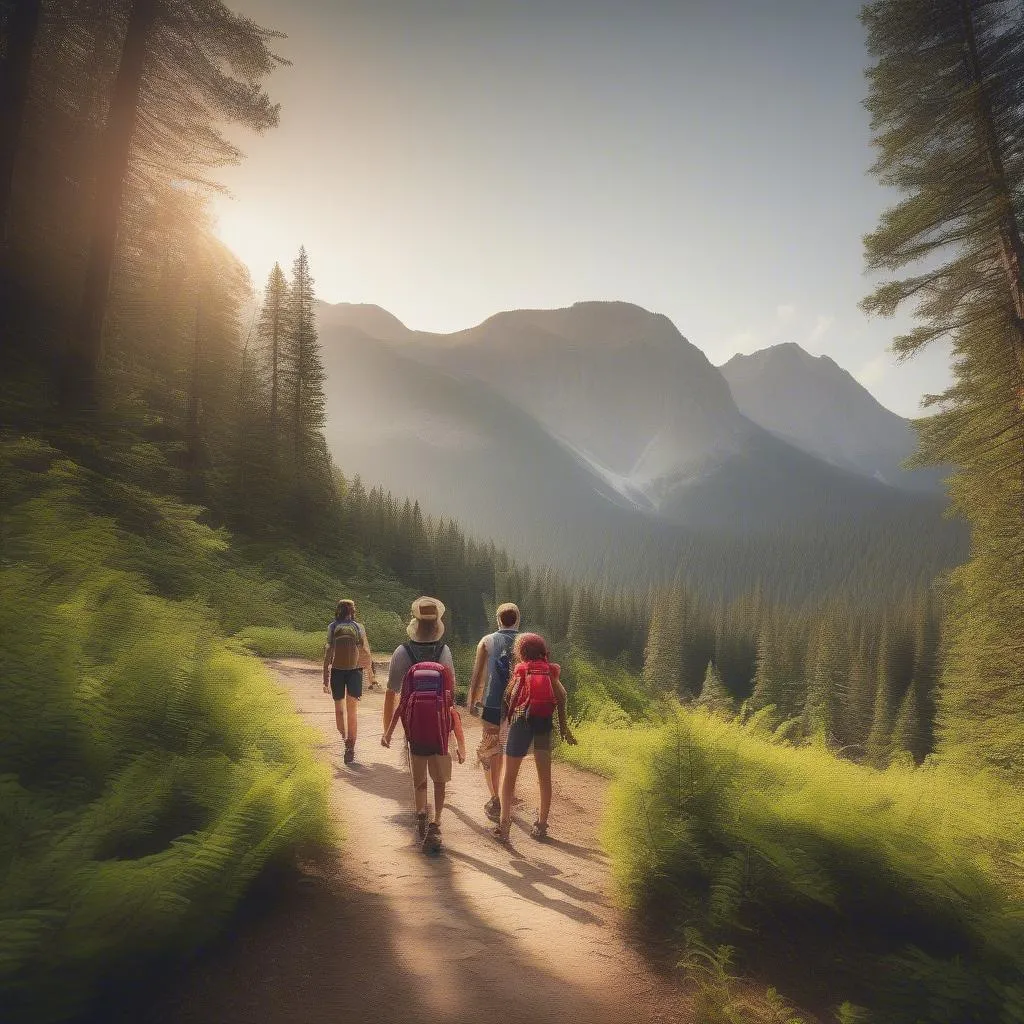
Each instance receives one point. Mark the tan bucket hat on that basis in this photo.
(426, 626)
(508, 606)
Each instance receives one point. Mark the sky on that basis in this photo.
(705, 159)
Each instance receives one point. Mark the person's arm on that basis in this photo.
(476, 686)
(396, 675)
(327, 665)
(365, 654)
(561, 698)
(460, 736)
(385, 740)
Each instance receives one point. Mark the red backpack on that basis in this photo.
(535, 695)
(427, 701)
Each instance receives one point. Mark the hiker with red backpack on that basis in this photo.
(345, 654)
(534, 696)
(422, 676)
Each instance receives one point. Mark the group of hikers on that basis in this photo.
(515, 687)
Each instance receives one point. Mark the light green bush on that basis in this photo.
(897, 890)
(147, 771)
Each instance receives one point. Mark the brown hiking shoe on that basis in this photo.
(421, 824)
(493, 808)
(350, 752)
(432, 840)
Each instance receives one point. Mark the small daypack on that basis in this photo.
(347, 641)
(426, 695)
(500, 667)
(535, 692)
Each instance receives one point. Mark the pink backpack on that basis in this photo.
(427, 695)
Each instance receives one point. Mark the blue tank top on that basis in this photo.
(499, 666)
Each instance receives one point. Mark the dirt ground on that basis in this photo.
(379, 932)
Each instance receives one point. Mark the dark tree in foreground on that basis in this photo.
(183, 67)
(19, 36)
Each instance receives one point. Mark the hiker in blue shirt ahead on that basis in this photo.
(490, 677)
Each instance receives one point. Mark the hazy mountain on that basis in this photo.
(813, 403)
(596, 437)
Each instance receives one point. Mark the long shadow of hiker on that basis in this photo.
(392, 783)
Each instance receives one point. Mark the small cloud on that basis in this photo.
(874, 370)
(785, 312)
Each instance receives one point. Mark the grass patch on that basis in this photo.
(900, 891)
(282, 642)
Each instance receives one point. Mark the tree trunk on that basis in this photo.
(273, 362)
(14, 75)
(1010, 243)
(82, 366)
(193, 396)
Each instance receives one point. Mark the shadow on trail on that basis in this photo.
(325, 949)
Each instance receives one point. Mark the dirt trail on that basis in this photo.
(383, 933)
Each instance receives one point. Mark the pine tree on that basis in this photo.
(272, 333)
(827, 677)
(714, 697)
(908, 732)
(879, 742)
(948, 119)
(663, 657)
(305, 385)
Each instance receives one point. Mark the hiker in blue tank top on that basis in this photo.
(490, 678)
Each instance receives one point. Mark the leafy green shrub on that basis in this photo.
(595, 687)
(147, 771)
(900, 891)
(283, 642)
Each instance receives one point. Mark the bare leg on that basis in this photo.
(494, 775)
(542, 758)
(419, 782)
(351, 707)
(438, 800)
(339, 716)
(508, 787)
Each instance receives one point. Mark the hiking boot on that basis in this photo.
(493, 808)
(350, 752)
(501, 834)
(421, 824)
(539, 831)
(432, 840)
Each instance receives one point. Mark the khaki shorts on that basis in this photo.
(437, 766)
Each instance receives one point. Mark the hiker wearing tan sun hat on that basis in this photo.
(422, 677)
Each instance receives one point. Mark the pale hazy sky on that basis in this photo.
(706, 159)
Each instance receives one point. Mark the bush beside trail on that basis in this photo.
(899, 891)
(147, 771)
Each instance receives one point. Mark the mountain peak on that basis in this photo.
(371, 319)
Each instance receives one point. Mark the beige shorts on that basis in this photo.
(437, 766)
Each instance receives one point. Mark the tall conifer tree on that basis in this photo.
(948, 116)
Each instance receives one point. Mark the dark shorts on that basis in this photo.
(491, 715)
(526, 731)
(346, 680)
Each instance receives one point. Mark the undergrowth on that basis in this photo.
(899, 891)
(147, 771)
